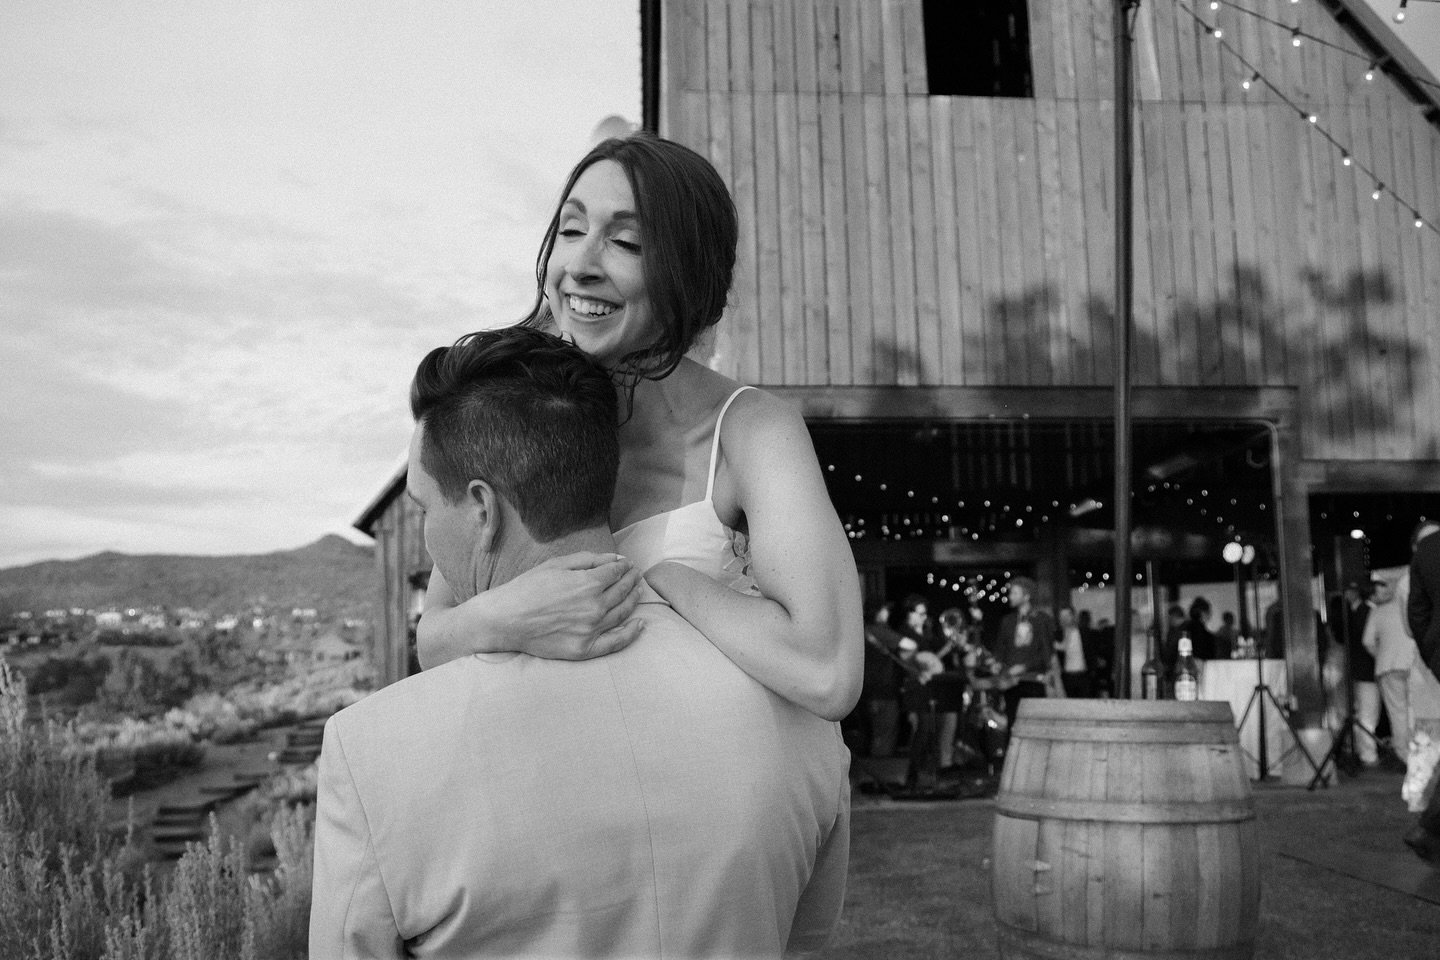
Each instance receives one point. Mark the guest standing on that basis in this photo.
(1074, 670)
(1423, 617)
(1353, 612)
(1386, 639)
(1025, 646)
(880, 692)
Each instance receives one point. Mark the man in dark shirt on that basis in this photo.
(1423, 618)
(1025, 646)
(880, 691)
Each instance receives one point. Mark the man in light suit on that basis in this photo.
(655, 802)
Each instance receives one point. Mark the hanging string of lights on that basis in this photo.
(1347, 156)
(977, 518)
(1299, 36)
(1400, 11)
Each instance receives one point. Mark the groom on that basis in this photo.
(654, 802)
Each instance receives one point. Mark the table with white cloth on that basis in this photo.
(1234, 682)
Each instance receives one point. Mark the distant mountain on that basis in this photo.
(333, 575)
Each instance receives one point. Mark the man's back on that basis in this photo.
(656, 802)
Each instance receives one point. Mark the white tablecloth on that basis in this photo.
(1234, 681)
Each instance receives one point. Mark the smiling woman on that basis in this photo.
(720, 500)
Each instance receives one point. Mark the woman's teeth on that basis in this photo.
(590, 308)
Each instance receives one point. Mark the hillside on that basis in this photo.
(333, 575)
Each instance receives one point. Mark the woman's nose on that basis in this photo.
(585, 259)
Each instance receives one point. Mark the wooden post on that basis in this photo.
(1124, 282)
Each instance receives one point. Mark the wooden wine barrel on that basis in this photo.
(1125, 828)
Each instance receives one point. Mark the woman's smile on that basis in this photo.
(595, 277)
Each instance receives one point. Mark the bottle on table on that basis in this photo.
(1150, 677)
(1187, 671)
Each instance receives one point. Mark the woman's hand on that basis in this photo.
(574, 607)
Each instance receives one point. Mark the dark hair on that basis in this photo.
(688, 234)
(911, 602)
(1199, 607)
(874, 606)
(1027, 584)
(530, 414)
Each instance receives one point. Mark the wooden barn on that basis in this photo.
(928, 206)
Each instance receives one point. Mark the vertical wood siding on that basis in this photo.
(894, 238)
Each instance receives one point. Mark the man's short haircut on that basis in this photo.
(528, 413)
(1027, 584)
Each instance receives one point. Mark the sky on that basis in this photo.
(229, 229)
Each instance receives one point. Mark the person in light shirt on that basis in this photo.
(655, 802)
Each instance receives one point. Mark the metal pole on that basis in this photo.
(1123, 323)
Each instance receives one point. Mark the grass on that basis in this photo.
(920, 885)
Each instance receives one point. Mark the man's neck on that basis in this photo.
(524, 553)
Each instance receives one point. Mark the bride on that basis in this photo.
(720, 503)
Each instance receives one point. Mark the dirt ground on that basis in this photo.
(920, 881)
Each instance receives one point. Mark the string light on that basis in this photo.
(1370, 71)
(1346, 158)
(1217, 33)
(1400, 14)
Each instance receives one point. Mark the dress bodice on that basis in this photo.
(693, 534)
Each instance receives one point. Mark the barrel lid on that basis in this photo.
(1119, 711)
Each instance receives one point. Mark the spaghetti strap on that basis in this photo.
(715, 441)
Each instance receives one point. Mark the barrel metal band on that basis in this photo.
(1038, 945)
(1111, 811)
(1093, 732)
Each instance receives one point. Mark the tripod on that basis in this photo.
(1258, 697)
(1345, 736)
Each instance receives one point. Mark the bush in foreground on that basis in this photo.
(71, 889)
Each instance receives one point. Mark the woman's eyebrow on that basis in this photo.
(579, 206)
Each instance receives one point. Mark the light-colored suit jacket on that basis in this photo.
(656, 802)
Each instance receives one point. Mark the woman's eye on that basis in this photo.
(571, 232)
(626, 243)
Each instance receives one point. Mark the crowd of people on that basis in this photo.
(943, 690)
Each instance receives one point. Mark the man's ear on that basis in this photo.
(485, 512)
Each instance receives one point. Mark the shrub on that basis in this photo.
(61, 871)
(69, 889)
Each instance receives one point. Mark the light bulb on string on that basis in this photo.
(1346, 160)
(1217, 33)
(1370, 71)
(1295, 37)
(1312, 118)
(1250, 81)
(1400, 14)
(1379, 189)
(1214, 4)
(1419, 220)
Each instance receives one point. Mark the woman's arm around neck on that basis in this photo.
(804, 638)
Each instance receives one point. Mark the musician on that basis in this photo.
(1025, 646)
